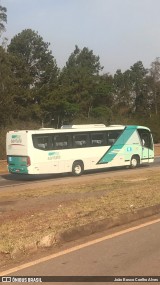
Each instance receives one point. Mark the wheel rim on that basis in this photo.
(77, 169)
(134, 162)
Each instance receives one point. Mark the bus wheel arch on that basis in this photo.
(135, 161)
(77, 167)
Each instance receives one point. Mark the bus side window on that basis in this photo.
(61, 141)
(41, 142)
(80, 140)
(112, 136)
(97, 139)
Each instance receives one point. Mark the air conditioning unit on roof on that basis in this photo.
(83, 126)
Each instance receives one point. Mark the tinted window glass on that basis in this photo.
(61, 141)
(80, 140)
(113, 136)
(51, 142)
(145, 137)
(98, 139)
(41, 141)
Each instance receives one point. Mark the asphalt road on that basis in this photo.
(7, 180)
(131, 252)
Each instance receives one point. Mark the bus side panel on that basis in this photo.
(120, 152)
(58, 161)
(127, 145)
(42, 162)
(132, 147)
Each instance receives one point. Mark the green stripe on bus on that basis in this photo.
(118, 145)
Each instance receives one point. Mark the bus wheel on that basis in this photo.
(135, 161)
(77, 168)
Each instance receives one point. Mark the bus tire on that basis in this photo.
(135, 161)
(77, 168)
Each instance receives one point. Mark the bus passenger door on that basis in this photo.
(147, 146)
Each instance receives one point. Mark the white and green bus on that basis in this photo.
(76, 148)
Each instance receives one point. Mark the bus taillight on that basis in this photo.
(28, 161)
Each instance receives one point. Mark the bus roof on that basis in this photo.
(83, 126)
(77, 128)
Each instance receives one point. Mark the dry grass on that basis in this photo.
(3, 166)
(90, 201)
(157, 149)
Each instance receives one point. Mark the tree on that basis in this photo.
(6, 88)
(3, 18)
(103, 98)
(139, 86)
(154, 78)
(58, 110)
(79, 79)
(40, 63)
(123, 101)
(35, 69)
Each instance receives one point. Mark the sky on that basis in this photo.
(120, 32)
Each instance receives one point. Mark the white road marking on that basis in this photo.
(75, 248)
